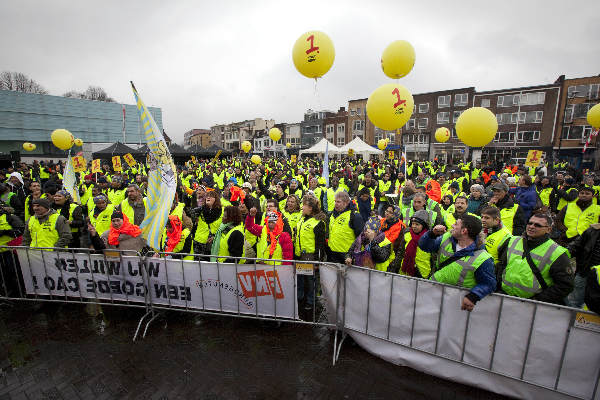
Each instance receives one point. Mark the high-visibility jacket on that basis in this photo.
(545, 196)
(262, 249)
(219, 179)
(384, 186)
(5, 226)
(179, 246)
(127, 210)
(305, 236)
(116, 196)
(331, 197)
(72, 208)
(341, 235)
(507, 216)
(562, 202)
(44, 173)
(494, 240)
(293, 219)
(44, 234)
(383, 266)
(517, 278)
(178, 211)
(422, 258)
(102, 221)
(372, 189)
(203, 229)
(451, 218)
(577, 220)
(461, 272)
(224, 247)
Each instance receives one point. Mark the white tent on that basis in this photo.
(360, 147)
(320, 147)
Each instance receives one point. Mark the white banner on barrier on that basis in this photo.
(505, 345)
(246, 289)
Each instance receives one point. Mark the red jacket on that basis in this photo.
(285, 240)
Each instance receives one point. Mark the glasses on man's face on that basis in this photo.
(537, 225)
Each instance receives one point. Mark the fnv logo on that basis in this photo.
(260, 283)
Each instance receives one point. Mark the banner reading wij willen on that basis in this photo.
(246, 289)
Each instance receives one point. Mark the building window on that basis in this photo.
(505, 137)
(453, 134)
(341, 129)
(531, 99)
(423, 108)
(581, 110)
(423, 123)
(411, 123)
(576, 132)
(569, 110)
(461, 99)
(443, 117)
(352, 112)
(485, 103)
(318, 129)
(329, 130)
(358, 111)
(358, 125)
(589, 91)
(444, 101)
(528, 136)
(455, 115)
(340, 141)
(422, 139)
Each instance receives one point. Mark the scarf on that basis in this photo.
(392, 232)
(216, 244)
(274, 234)
(127, 229)
(174, 237)
(408, 265)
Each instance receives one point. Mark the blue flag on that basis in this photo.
(326, 164)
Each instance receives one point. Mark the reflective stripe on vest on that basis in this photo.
(44, 234)
(341, 236)
(517, 278)
(577, 220)
(461, 272)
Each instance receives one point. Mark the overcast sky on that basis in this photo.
(207, 63)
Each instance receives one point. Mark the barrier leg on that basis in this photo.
(156, 315)
(139, 325)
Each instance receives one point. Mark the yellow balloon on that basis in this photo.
(476, 126)
(28, 146)
(381, 144)
(593, 116)
(246, 146)
(275, 134)
(62, 138)
(78, 142)
(255, 159)
(390, 106)
(398, 59)
(288, 145)
(442, 135)
(313, 54)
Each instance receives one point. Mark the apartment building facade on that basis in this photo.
(336, 126)
(197, 137)
(230, 136)
(311, 127)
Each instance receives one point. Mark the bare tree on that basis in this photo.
(91, 93)
(20, 82)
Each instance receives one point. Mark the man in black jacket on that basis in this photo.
(511, 216)
(586, 250)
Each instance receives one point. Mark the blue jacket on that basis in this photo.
(526, 197)
(484, 275)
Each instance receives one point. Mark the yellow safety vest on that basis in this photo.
(184, 234)
(262, 249)
(224, 248)
(4, 226)
(383, 266)
(45, 234)
(422, 259)
(305, 236)
(203, 230)
(103, 220)
(127, 210)
(577, 221)
(562, 202)
(493, 241)
(341, 235)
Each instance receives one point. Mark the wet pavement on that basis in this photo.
(61, 352)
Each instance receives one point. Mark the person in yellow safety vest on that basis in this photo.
(332, 192)
(46, 228)
(345, 225)
(35, 189)
(210, 216)
(371, 249)
(419, 202)
(313, 185)
(511, 214)
(544, 190)
(295, 189)
(384, 187)
(100, 214)
(494, 232)
(177, 239)
(459, 208)
(565, 194)
(533, 266)
(11, 231)
(576, 217)
(414, 261)
(73, 213)
(219, 178)
(372, 185)
(292, 213)
(592, 290)
(116, 193)
(460, 261)
(134, 205)
(274, 243)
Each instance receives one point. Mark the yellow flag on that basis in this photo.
(534, 157)
(129, 159)
(116, 160)
(79, 164)
(96, 167)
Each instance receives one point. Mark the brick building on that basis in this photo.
(199, 137)
(336, 126)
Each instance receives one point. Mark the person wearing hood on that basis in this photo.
(576, 217)
(512, 215)
(364, 202)
(121, 235)
(17, 186)
(477, 200)
(525, 195)
(345, 225)
(46, 227)
(370, 249)
(414, 261)
(73, 213)
(100, 215)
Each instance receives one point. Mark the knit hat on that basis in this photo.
(479, 188)
(247, 185)
(116, 214)
(397, 212)
(43, 203)
(374, 223)
(101, 197)
(63, 193)
(422, 217)
(454, 185)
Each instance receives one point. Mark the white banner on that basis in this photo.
(440, 339)
(246, 289)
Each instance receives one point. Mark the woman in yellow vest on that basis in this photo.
(36, 193)
(371, 249)
(210, 216)
(176, 239)
(229, 238)
(292, 213)
(414, 261)
(100, 214)
(273, 242)
(73, 213)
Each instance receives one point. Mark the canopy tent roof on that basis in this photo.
(199, 151)
(177, 150)
(359, 147)
(117, 149)
(320, 148)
